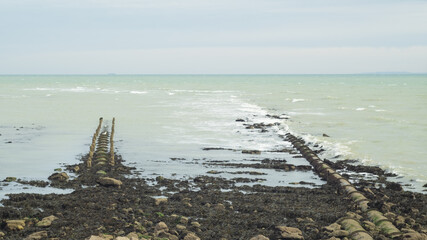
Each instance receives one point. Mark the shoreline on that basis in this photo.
(206, 206)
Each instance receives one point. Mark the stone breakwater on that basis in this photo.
(106, 204)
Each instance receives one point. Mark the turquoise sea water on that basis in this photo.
(377, 119)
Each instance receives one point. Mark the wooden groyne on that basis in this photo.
(101, 150)
(352, 225)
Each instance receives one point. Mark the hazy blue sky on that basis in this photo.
(218, 36)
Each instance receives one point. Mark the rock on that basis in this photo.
(414, 236)
(394, 186)
(165, 235)
(93, 237)
(391, 216)
(46, 222)
(354, 215)
(425, 185)
(161, 226)
(160, 178)
(213, 172)
(57, 169)
(332, 227)
(59, 177)
(2, 234)
(15, 225)
(121, 238)
(260, 237)
(290, 232)
(333, 238)
(339, 233)
(191, 236)
(180, 227)
(101, 172)
(76, 169)
(37, 235)
(305, 220)
(325, 135)
(10, 179)
(183, 220)
(251, 152)
(219, 207)
(159, 201)
(195, 224)
(370, 226)
(240, 120)
(107, 237)
(399, 221)
(107, 182)
(133, 236)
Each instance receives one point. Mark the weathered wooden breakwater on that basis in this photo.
(351, 225)
(101, 141)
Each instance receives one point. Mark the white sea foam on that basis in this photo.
(138, 92)
(298, 100)
(360, 109)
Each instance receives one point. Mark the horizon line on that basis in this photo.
(205, 74)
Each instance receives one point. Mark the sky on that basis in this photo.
(212, 37)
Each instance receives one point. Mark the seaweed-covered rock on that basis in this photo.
(62, 176)
(47, 221)
(107, 182)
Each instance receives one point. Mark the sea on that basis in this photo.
(163, 122)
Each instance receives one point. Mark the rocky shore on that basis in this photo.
(110, 201)
(108, 204)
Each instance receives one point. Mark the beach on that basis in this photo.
(109, 200)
